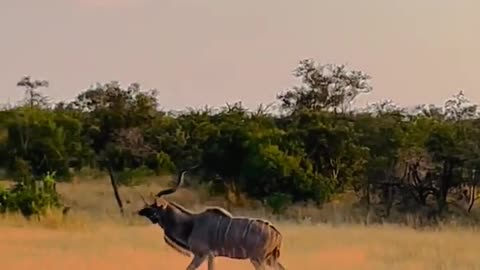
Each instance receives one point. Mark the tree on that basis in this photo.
(325, 87)
(32, 96)
(43, 139)
(459, 107)
(114, 124)
(225, 150)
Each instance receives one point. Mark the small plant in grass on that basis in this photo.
(30, 197)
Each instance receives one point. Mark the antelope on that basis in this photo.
(214, 232)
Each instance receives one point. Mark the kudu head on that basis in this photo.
(155, 212)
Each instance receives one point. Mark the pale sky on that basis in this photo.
(200, 52)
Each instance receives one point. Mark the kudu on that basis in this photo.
(214, 232)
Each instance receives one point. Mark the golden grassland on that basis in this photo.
(94, 237)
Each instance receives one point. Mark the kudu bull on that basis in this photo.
(214, 232)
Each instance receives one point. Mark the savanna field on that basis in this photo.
(380, 187)
(93, 236)
(352, 126)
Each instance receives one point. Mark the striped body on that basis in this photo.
(234, 237)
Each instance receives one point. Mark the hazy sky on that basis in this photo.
(201, 52)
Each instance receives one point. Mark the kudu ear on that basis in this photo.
(159, 202)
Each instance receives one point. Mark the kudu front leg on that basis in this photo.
(196, 262)
(211, 265)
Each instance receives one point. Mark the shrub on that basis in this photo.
(30, 197)
(161, 163)
(279, 202)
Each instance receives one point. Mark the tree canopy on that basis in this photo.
(392, 158)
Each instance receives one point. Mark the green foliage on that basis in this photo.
(315, 151)
(324, 87)
(161, 163)
(30, 197)
(269, 170)
(44, 139)
(279, 202)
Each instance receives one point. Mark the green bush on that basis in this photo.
(30, 198)
(161, 163)
(279, 202)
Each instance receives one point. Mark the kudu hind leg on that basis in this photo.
(259, 265)
(275, 264)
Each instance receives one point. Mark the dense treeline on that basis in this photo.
(394, 159)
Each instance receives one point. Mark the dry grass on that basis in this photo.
(110, 246)
(93, 237)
